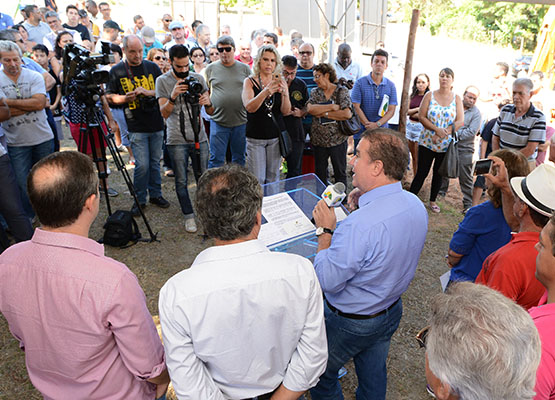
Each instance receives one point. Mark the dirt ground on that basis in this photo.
(154, 263)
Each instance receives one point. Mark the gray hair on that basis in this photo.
(225, 39)
(8, 34)
(51, 14)
(266, 48)
(526, 82)
(482, 344)
(8, 45)
(227, 201)
(201, 28)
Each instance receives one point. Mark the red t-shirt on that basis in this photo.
(512, 270)
(238, 58)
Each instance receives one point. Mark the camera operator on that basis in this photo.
(175, 97)
(132, 85)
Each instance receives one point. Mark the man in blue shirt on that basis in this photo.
(5, 21)
(371, 93)
(367, 264)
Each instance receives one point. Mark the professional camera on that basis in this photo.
(194, 91)
(81, 76)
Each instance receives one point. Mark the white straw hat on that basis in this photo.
(537, 189)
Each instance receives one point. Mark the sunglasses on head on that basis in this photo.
(158, 58)
(422, 336)
(226, 49)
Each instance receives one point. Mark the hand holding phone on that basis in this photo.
(481, 167)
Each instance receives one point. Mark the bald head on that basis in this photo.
(133, 49)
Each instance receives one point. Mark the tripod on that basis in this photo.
(96, 122)
(194, 117)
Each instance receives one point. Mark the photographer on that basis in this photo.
(132, 85)
(174, 97)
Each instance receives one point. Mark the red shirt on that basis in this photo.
(512, 270)
(238, 58)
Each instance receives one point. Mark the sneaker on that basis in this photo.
(131, 161)
(135, 210)
(160, 202)
(122, 148)
(190, 225)
(168, 172)
(111, 192)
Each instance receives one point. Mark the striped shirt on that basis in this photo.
(307, 76)
(515, 133)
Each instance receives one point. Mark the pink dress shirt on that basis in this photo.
(81, 319)
(544, 318)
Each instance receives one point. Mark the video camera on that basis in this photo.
(80, 71)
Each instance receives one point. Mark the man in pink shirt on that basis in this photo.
(80, 317)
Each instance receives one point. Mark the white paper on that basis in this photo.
(285, 219)
(444, 279)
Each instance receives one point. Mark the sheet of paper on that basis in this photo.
(283, 219)
(444, 279)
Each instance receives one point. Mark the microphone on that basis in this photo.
(334, 194)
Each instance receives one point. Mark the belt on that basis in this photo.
(358, 316)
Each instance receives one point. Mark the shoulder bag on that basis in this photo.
(348, 127)
(449, 167)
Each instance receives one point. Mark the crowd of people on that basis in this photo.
(243, 322)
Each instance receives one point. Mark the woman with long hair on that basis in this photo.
(266, 98)
(63, 38)
(441, 113)
(420, 86)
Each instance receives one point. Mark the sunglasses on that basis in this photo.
(197, 55)
(305, 53)
(168, 20)
(158, 58)
(214, 54)
(422, 336)
(226, 49)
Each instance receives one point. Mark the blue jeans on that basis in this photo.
(367, 342)
(147, 149)
(119, 117)
(180, 155)
(23, 158)
(220, 136)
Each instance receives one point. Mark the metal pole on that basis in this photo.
(408, 71)
(332, 32)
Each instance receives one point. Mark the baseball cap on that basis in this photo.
(147, 33)
(176, 24)
(112, 25)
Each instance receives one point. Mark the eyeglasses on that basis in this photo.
(226, 49)
(422, 336)
(285, 73)
(158, 58)
(305, 53)
(213, 54)
(197, 55)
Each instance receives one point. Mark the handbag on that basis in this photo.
(349, 127)
(449, 167)
(121, 228)
(285, 143)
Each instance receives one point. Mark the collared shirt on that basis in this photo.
(467, 133)
(81, 318)
(353, 72)
(49, 39)
(241, 321)
(515, 133)
(37, 32)
(374, 252)
(544, 319)
(307, 76)
(5, 21)
(370, 96)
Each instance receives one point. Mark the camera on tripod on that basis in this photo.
(81, 76)
(194, 91)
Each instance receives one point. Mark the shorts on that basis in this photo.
(413, 130)
(75, 130)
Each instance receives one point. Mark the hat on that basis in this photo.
(537, 189)
(176, 24)
(147, 33)
(112, 25)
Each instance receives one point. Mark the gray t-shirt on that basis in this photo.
(30, 128)
(226, 86)
(37, 33)
(164, 87)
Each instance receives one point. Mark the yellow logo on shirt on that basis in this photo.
(128, 86)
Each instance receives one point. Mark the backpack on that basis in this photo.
(121, 228)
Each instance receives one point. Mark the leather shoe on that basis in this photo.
(160, 202)
(135, 210)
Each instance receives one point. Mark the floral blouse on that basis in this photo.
(441, 117)
(324, 132)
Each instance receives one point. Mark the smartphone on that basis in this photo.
(277, 76)
(481, 167)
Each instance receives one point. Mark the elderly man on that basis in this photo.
(36, 29)
(348, 71)
(132, 84)
(544, 314)
(177, 30)
(244, 55)
(229, 328)
(520, 125)
(466, 136)
(229, 117)
(181, 140)
(29, 138)
(480, 345)
(203, 37)
(53, 21)
(511, 269)
(367, 264)
(374, 96)
(84, 310)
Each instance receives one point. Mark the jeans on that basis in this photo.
(466, 179)
(147, 149)
(367, 342)
(295, 160)
(220, 136)
(10, 203)
(180, 155)
(425, 159)
(23, 158)
(119, 117)
(264, 159)
(338, 155)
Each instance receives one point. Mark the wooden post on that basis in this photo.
(408, 71)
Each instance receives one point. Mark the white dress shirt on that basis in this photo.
(241, 321)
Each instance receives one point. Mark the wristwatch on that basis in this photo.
(320, 231)
(379, 124)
